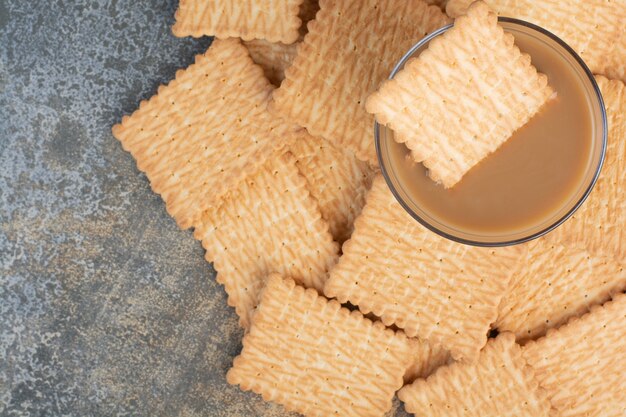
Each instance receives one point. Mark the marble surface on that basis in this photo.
(106, 307)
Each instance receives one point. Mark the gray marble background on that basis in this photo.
(106, 307)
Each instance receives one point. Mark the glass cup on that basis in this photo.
(384, 140)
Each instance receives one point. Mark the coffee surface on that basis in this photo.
(531, 176)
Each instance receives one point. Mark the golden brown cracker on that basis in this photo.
(269, 223)
(274, 20)
(480, 82)
(595, 29)
(317, 358)
(350, 48)
(204, 131)
(426, 358)
(600, 224)
(499, 384)
(276, 57)
(554, 282)
(581, 365)
(443, 292)
(336, 179)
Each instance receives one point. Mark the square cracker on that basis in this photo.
(336, 179)
(274, 20)
(204, 131)
(276, 57)
(500, 384)
(269, 223)
(350, 48)
(596, 29)
(317, 358)
(581, 365)
(478, 79)
(554, 282)
(443, 292)
(600, 223)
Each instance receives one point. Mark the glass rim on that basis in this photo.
(569, 212)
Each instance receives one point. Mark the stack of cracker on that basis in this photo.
(274, 180)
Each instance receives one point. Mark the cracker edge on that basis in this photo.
(180, 31)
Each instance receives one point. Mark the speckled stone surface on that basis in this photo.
(106, 307)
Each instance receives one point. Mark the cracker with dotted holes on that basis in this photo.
(499, 384)
(316, 358)
(350, 48)
(595, 29)
(480, 82)
(276, 57)
(599, 225)
(336, 179)
(553, 283)
(274, 20)
(581, 365)
(440, 291)
(204, 131)
(269, 223)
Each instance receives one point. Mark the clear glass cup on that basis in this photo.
(519, 28)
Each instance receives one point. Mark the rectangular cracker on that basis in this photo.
(600, 223)
(204, 131)
(336, 179)
(274, 20)
(595, 29)
(269, 223)
(478, 79)
(276, 57)
(554, 282)
(581, 365)
(317, 358)
(500, 384)
(440, 291)
(350, 48)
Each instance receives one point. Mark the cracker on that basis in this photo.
(600, 223)
(500, 384)
(441, 291)
(581, 365)
(270, 223)
(274, 20)
(475, 76)
(426, 358)
(317, 358)
(276, 57)
(554, 282)
(350, 48)
(336, 179)
(204, 131)
(596, 29)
